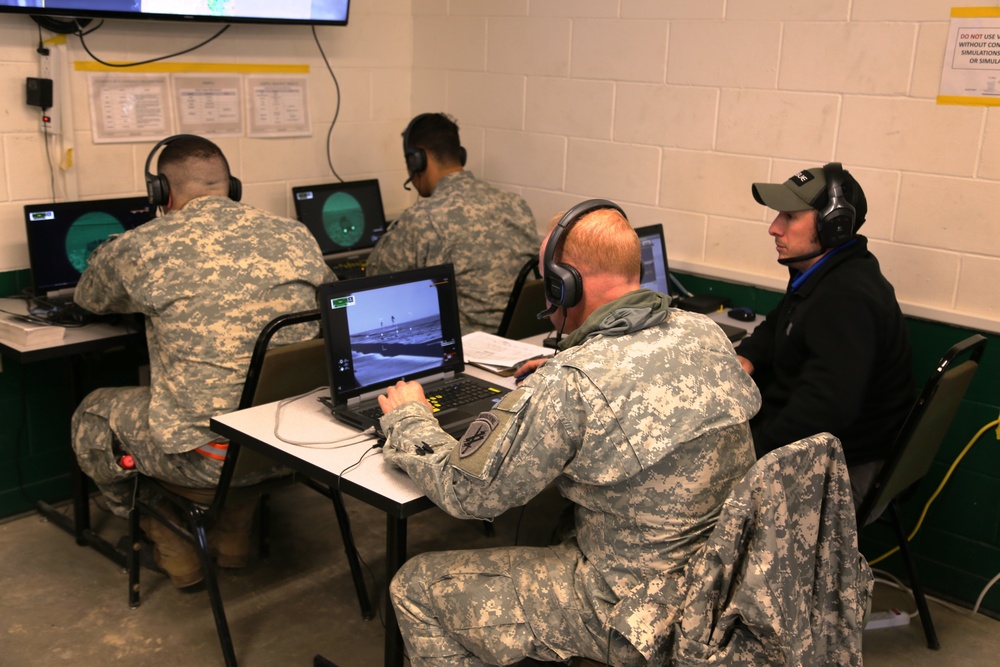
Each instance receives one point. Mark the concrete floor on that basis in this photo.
(67, 605)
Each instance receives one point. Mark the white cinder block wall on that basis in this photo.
(673, 108)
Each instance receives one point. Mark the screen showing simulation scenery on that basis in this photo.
(62, 236)
(379, 329)
(330, 12)
(342, 216)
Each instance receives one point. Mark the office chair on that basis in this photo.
(527, 299)
(779, 581)
(274, 373)
(914, 449)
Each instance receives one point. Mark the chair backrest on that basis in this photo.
(923, 431)
(275, 373)
(527, 299)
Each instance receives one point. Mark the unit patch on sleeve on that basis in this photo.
(480, 447)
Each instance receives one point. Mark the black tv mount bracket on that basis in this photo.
(61, 25)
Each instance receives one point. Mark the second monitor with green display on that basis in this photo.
(344, 217)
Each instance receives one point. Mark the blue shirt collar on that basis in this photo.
(800, 277)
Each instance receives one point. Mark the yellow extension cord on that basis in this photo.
(995, 422)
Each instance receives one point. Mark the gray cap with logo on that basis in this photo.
(808, 190)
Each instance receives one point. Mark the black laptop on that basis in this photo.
(399, 326)
(346, 218)
(656, 271)
(61, 237)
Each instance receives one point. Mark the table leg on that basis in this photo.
(395, 556)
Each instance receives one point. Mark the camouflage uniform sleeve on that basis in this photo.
(506, 457)
(103, 287)
(407, 245)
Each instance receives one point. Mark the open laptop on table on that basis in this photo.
(399, 326)
(62, 236)
(656, 271)
(346, 219)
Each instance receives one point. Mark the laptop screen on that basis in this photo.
(343, 217)
(62, 236)
(380, 329)
(655, 270)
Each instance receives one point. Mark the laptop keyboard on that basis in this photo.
(348, 268)
(460, 392)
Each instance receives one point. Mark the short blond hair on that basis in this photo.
(601, 241)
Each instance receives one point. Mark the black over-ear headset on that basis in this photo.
(835, 221)
(416, 157)
(157, 186)
(563, 283)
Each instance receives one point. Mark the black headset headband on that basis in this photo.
(563, 283)
(157, 186)
(415, 156)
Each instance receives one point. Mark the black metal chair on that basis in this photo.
(913, 452)
(527, 299)
(274, 373)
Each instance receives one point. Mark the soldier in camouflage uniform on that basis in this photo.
(487, 234)
(641, 420)
(208, 276)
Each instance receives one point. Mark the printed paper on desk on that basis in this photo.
(496, 353)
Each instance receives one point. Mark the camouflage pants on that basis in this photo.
(498, 606)
(123, 412)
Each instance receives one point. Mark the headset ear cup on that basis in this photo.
(835, 228)
(463, 155)
(835, 221)
(416, 160)
(158, 190)
(573, 285)
(235, 188)
(563, 285)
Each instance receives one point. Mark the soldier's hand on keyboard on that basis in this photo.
(402, 392)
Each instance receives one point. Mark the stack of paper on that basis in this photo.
(21, 331)
(498, 354)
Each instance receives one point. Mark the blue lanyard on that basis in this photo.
(804, 276)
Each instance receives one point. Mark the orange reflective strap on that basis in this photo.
(214, 450)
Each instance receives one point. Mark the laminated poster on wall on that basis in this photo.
(971, 71)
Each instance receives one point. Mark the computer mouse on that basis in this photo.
(742, 314)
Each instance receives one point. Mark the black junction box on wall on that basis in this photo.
(39, 92)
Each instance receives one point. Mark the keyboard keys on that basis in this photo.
(461, 392)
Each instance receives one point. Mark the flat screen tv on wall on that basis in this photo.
(318, 12)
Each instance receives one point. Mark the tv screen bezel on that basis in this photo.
(68, 15)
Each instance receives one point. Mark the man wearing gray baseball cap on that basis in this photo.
(835, 354)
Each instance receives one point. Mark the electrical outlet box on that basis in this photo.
(48, 71)
(39, 92)
(45, 64)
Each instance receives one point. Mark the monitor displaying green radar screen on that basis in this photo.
(62, 236)
(344, 217)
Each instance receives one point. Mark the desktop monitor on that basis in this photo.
(344, 217)
(655, 270)
(62, 236)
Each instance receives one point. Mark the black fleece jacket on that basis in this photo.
(835, 356)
